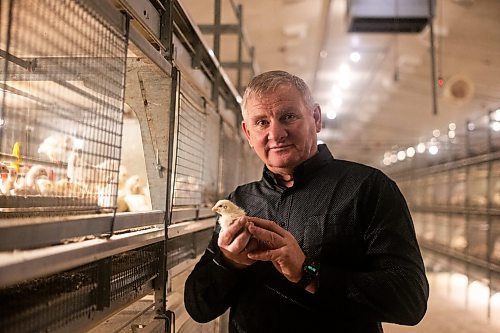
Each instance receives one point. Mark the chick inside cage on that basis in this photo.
(61, 116)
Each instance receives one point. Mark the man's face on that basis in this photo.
(281, 129)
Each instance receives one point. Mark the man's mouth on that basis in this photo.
(280, 147)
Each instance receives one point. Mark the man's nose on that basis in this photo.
(277, 131)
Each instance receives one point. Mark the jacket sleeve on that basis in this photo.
(211, 286)
(393, 286)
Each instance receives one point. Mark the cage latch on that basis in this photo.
(158, 165)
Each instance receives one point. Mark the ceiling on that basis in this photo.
(384, 102)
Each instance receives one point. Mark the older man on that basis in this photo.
(327, 245)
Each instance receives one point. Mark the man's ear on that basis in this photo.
(317, 117)
(247, 133)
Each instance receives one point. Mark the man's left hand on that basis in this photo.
(278, 246)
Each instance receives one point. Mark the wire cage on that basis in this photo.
(70, 300)
(62, 71)
(190, 152)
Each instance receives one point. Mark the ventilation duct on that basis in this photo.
(388, 16)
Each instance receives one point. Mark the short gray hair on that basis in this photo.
(268, 82)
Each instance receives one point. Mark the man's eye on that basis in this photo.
(261, 123)
(289, 116)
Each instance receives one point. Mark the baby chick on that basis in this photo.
(9, 183)
(134, 195)
(57, 147)
(228, 211)
(34, 173)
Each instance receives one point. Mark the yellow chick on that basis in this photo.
(16, 152)
(228, 212)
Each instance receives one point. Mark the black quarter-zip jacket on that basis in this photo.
(353, 220)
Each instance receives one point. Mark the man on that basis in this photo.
(327, 245)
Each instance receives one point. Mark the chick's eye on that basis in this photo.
(224, 206)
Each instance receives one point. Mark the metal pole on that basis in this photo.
(217, 33)
(433, 62)
(240, 49)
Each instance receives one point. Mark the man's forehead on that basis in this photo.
(280, 95)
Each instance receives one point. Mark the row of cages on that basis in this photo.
(473, 235)
(472, 185)
(477, 137)
(455, 206)
(439, 262)
(113, 149)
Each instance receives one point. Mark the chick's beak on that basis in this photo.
(214, 209)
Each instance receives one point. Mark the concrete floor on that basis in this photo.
(448, 311)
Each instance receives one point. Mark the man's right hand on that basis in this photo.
(234, 243)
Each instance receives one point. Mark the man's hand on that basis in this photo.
(234, 242)
(277, 245)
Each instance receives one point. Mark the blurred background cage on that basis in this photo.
(454, 200)
(62, 77)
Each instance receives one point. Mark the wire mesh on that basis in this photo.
(231, 160)
(131, 270)
(190, 152)
(47, 304)
(211, 158)
(62, 71)
(180, 249)
(57, 302)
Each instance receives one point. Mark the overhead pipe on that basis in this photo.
(433, 62)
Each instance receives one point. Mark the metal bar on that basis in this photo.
(222, 28)
(125, 31)
(166, 30)
(19, 266)
(217, 28)
(139, 42)
(189, 227)
(160, 285)
(36, 232)
(252, 60)
(103, 283)
(145, 16)
(240, 48)
(217, 36)
(237, 65)
(63, 65)
(30, 66)
(433, 62)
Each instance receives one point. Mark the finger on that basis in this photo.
(239, 243)
(270, 238)
(227, 235)
(267, 255)
(267, 224)
(238, 260)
